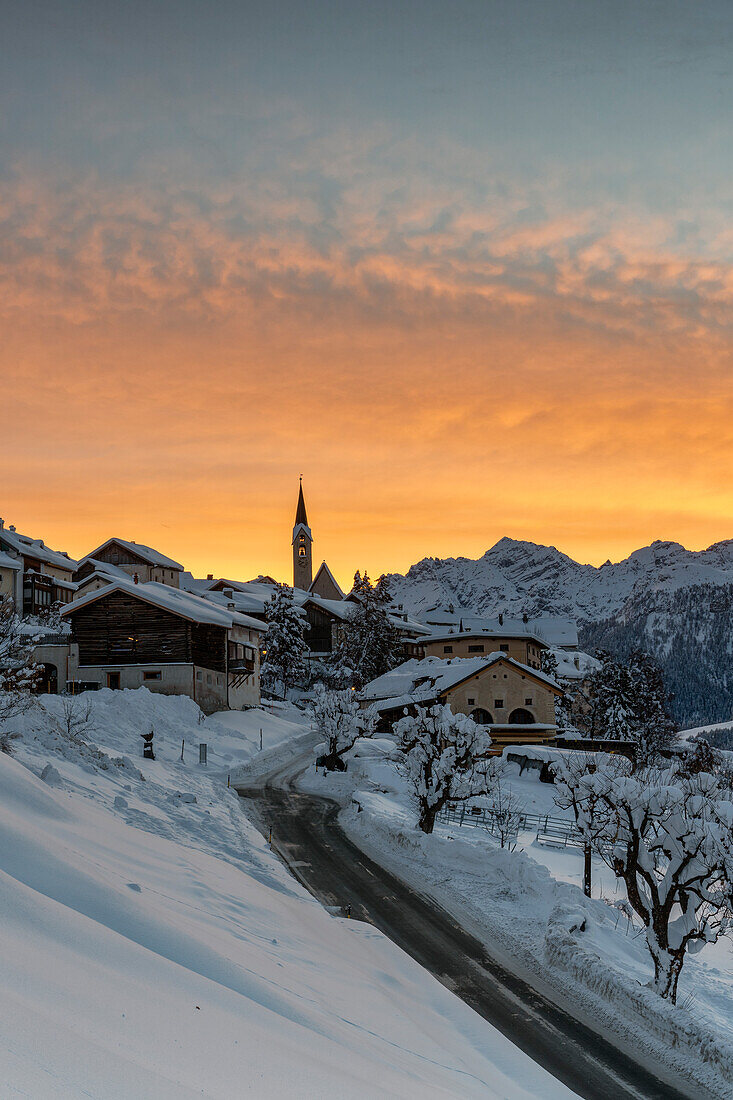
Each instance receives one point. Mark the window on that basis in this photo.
(152, 676)
(504, 648)
(528, 701)
(471, 702)
(475, 649)
(208, 678)
(199, 675)
(301, 551)
(447, 649)
(498, 704)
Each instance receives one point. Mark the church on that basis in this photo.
(324, 583)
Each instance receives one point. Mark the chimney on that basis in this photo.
(229, 593)
(231, 607)
(525, 617)
(11, 528)
(501, 618)
(209, 576)
(135, 578)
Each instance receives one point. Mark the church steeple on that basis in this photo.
(301, 516)
(302, 546)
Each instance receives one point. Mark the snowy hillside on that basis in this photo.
(154, 947)
(672, 602)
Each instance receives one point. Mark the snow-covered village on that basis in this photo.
(366, 550)
(212, 785)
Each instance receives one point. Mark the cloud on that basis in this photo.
(447, 360)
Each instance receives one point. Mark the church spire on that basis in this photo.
(301, 515)
(302, 546)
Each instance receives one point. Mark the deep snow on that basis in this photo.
(153, 946)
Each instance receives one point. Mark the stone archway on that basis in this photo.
(48, 681)
(522, 717)
(482, 717)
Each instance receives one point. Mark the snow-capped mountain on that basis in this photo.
(673, 602)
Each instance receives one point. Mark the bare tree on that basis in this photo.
(670, 839)
(75, 719)
(445, 757)
(506, 810)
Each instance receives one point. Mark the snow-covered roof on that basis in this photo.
(421, 681)
(147, 553)
(502, 632)
(102, 571)
(6, 562)
(340, 609)
(176, 601)
(552, 630)
(35, 548)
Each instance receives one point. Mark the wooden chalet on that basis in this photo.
(129, 635)
(132, 558)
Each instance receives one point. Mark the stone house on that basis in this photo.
(522, 645)
(515, 701)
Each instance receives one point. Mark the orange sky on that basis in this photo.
(471, 277)
(430, 413)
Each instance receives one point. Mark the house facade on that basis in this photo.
(515, 702)
(522, 645)
(47, 575)
(11, 579)
(129, 635)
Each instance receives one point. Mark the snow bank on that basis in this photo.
(586, 948)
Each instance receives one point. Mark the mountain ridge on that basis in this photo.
(674, 603)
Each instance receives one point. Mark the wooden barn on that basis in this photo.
(128, 635)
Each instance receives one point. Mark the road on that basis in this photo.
(307, 836)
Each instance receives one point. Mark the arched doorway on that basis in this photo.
(48, 681)
(521, 717)
(482, 717)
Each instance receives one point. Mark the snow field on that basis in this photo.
(154, 947)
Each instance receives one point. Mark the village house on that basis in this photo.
(556, 631)
(11, 579)
(131, 558)
(515, 702)
(522, 645)
(128, 635)
(46, 575)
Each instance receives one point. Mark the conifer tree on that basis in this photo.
(370, 643)
(284, 647)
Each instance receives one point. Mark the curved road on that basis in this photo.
(307, 836)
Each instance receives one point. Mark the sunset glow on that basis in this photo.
(390, 280)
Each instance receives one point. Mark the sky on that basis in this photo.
(465, 267)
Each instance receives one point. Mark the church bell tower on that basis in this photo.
(302, 546)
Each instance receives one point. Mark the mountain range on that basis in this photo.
(672, 602)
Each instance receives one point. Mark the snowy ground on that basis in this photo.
(154, 947)
(529, 908)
